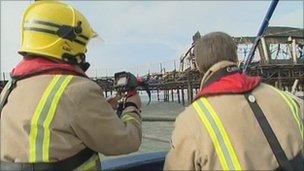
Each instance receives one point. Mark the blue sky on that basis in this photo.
(138, 35)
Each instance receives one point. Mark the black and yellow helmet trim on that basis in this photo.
(64, 31)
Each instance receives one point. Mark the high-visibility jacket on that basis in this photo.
(220, 132)
(48, 118)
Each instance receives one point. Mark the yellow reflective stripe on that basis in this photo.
(218, 134)
(34, 122)
(50, 116)
(293, 111)
(92, 164)
(126, 118)
(297, 112)
(295, 106)
(40, 26)
(224, 134)
(211, 132)
(40, 132)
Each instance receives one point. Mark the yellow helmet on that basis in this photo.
(55, 30)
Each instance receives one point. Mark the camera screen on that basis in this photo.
(121, 81)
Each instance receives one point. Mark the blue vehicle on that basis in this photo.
(149, 161)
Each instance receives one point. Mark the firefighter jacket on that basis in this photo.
(219, 131)
(52, 116)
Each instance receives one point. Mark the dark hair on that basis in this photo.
(213, 48)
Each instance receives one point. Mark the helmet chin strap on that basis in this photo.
(78, 59)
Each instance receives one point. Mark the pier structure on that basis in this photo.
(279, 61)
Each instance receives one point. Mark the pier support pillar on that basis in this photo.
(166, 95)
(178, 95)
(183, 96)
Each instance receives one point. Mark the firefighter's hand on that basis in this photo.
(113, 100)
(135, 99)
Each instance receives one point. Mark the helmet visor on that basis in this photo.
(94, 43)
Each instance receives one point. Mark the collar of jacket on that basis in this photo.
(31, 66)
(231, 84)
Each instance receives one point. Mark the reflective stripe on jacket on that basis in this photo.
(39, 138)
(218, 134)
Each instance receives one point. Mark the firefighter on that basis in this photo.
(236, 122)
(53, 116)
